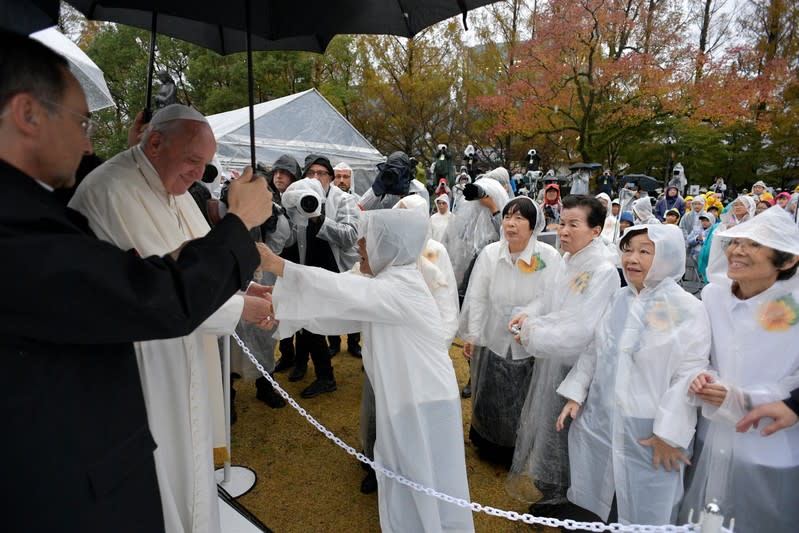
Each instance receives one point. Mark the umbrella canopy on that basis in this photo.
(27, 16)
(647, 183)
(308, 25)
(82, 67)
(586, 166)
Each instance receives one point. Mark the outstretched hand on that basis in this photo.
(783, 416)
(669, 456)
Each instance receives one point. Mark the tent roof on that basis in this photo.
(298, 124)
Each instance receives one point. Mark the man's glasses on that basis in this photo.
(88, 125)
(316, 173)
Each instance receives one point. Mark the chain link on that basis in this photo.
(460, 502)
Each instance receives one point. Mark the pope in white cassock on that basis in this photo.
(136, 200)
(419, 428)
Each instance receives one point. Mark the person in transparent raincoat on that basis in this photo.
(642, 211)
(633, 426)
(753, 297)
(437, 272)
(508, 275)
(473, 226)
(557, 330)
(419, 424)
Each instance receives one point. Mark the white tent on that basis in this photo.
(298, 125)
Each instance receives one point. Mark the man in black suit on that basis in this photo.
(76, 446)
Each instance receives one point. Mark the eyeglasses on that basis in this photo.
(88, 125)
(316, 173)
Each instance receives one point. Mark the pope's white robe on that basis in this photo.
(126, 204)
(419, 428)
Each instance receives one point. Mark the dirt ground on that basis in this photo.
(307, 484)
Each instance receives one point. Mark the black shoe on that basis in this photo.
(267, 394)
(548, 510)
(333, 351)
(369, 483)
(298, 372)
(283, 364)
(355, 351)
(318, 387)
(466, 392)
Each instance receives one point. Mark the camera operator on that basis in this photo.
(394, 180)
(329, 242)
(606, 183)
(442, 166)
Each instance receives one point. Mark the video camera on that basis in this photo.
(442, 151)
(303, 198)
(394, 176)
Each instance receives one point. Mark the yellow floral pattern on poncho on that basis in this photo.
(662, 316)
(579, 283)
(535, 264)
(779, 315)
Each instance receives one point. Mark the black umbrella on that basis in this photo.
(647, 183)
(28, 16)
(586, 166)
(238, 25)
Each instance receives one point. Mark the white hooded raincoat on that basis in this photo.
(648, 346)
(419, 428)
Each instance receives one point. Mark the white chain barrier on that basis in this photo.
(460, 502)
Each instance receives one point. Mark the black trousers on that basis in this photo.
(353, 340)
(316, 346)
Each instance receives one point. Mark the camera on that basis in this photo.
(220, 209)
(533, 160)
(304, 197)
(394, 176)
(442, 151)
(473, 191)
(515, 330)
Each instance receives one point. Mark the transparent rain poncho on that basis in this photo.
(471, 228)
(642, 211)
(419, 423)
(440, 222)
(754, 356)
(501, 285)
(557, 331)
(632, 384)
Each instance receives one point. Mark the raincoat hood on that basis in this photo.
(288, 164)
(394, 237)
(773, 228)
(669, 260)
(642, 209)
(499, 174)
(443, 198)
(604, 196)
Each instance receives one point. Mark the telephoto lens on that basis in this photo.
(473, 191)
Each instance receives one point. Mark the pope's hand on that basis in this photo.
(258, 311)
(249, 199)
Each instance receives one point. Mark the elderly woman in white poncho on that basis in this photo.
(633, 422)
(419, 431)
(557, 330)
(753, 299)
(508, 275)
(437, 272)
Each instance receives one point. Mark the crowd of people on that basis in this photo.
(608, 391)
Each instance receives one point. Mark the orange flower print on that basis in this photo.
(779, 315)
(579, 283)
(535, 264)
(431, 255)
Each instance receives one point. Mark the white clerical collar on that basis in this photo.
(44, 185)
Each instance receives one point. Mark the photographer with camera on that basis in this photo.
(325, 223)
(395, 179)
(442, 165)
